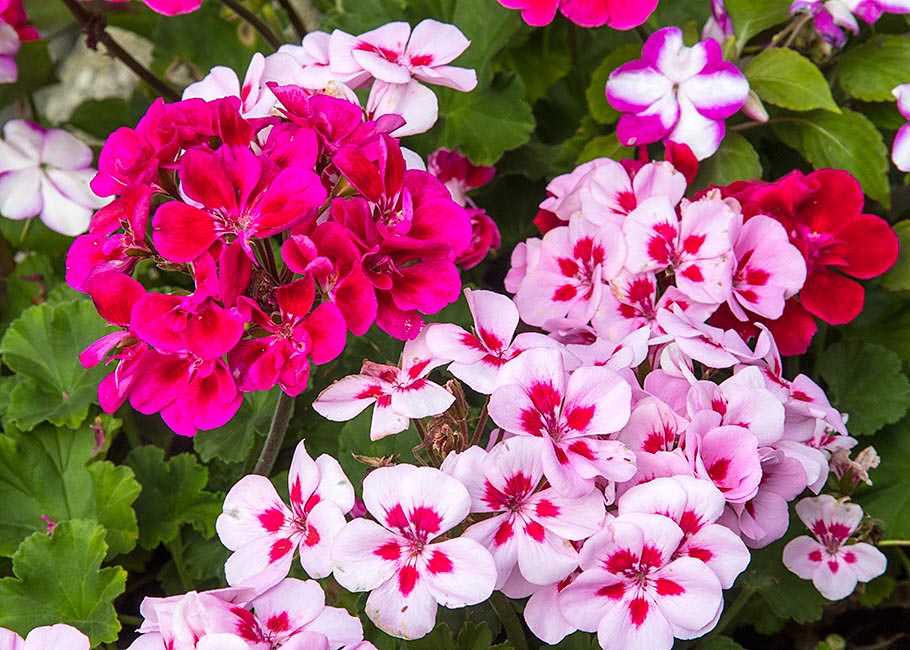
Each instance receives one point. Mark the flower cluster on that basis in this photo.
(294, 228)
(832, 17)
(613, 13)
(676, 93)
(392, 60)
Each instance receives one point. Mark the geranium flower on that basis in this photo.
(46, 173)
(587, 13)
(900, 150)
(833, 565)
(676, 93)
(60, 637)
(408, 575)
(170, 7)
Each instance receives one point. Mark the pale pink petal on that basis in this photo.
(585, 602)
(543, 616)
(359, 555)
(722, 550)
(694, 598)
(900, 150)
(449, 76)
(458, 572)
(252, 510)
(833, 578)
(334, 485)
(434, 43)
(219, 641)
(497, 535)
(60, 213)
(864, 560)
(803, 555)
(543, 557)
(60, 636)
(347, 397)
(260, 563)
(340, 627)
(20, 193)
(598, 401)
(296, 602)
(418, 401)
(413, 101)
(323, 523)
(9, 640)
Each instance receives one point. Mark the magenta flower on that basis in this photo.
(587, 13)
(9, 48)
(60, 637)
(676, 93)
(46, 173)
(170, 7)
(264, 533)
(833, 565)
(395, 559)
(635, 592)
(900, 150)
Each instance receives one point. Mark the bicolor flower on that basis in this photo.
(900, 150)
(264, 533)
(833, 564)
(46, 173)
(676, 93)
(407, 574)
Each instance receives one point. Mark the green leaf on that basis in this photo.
(735, 160)
(600, 108)
(355, 439)
(785, 78)
(100, 117)
(865, 380)
(540, 62)
(889, 497)
(871, 70)
(847, 141)
(233, 442)
(43, 347)
(751, 17)
(885, 319)
(59, 579)
(173, 494)
(897, 278)
(603, 146)
(28, 284)
(875, 592)
(489, 26)
(719, 643)
(35, 70)
(484, 124)
(43, 472)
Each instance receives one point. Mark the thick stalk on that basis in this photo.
(253, 20)
(294, 17)
(272, 445)
(94, 27)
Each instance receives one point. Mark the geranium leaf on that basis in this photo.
(871, 70)
(846, 141)
(751, 17)
(897, 278)
(43, 472)
(785, 78)
(604, 146)
(865, 380)
(233, 442)
(59, 579)
(173, 493)
(735, 160)
(43, 347)
(600, 108)
(889, 497)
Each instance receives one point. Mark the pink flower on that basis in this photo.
(900, 151)
(408, 575)
(635, 592)
(46, 173)
(9, 48)
(458, 173)
(59, 637)
(399, 393)
(676, 93)
(833, 565)
(170, 7)
(569, 415)
(587, 13)
(264, 533)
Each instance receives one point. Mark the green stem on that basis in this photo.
(272, 445)
(294, 17)
(175, 546)
(894, 542)
(253, 20)
(509, 619)
(25, 230)
(94, 27)
(481, 423)
(742, 599)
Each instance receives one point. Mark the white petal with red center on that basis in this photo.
(651, 231)
(827, 510)
(252, 510)
(386, 421)
(420, 399)
(499, 536)
(512, 471)
(334, 485)
(592, 457)
(323, 524)
(590, 596)
(450, 76)
(833, 579)
(403, 606)
(722, 550)
(864, 560)
(562, 473)
(303, 478)
(687, 593)
(433, 43)
(365, 555)
(421, 500)
(541, 378)
(635, 624)
(379, 51)
(598, 401)
(290, 605)
(543, 557)
(452, 342)
(340, 627)
(495, 317)
(348, 396)
(573, 519)
(458, 572)
(260, 563)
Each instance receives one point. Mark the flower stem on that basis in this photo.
(253, 20)
(742, 599)
(94, 26)
(272, 445)
(175, 546)
(894, 542)
(506, 613)
(294, 17)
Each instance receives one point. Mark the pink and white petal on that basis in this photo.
(498, 536)
(802, 556)
(650, 125)
(635, 530)
(532, 370)
(449, 341)
(651, 230)
(306, 640)
(833, 579)
(588, 599)
(421, 399)
(688, 594)
(495, 317)
(20, 193)
(543, 556)
(561, 472)
(716, 92)
(864, 560)
(220, 641)
(635, 624)
(386, 421)
(9, 640)
(721, 549)
(512, 463)
(63, 150)
(458, 572)
(574, 519)
(260, 563)
(467, 468)
(636, 86)
(825, 508)
(334, 485)
(702, 135)
(406, 616)
(380, 52)
(430, 501)
(666, 50)
(252, 510)
(347, 397)
(341, 628)
(363, 555)
(296, 602)
(323, 524)
(543, 616)
(598, 401)
(303, 478)
(60, 636)
(75, 185)
(900, 149)
(60, 213)
(449, 76)
(441, 42)
(25, 137)
(413, 101)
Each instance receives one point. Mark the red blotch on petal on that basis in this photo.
(613, 592)
(426, 520)
(535, 531)
(439, 563)
(278, 622)
(651, 556)
(581, 448)
(692, 273)
(850, 557)
(503, 534)
(407, 578)
(312, 536)
(272, 519)
(668, 587)
(388, 551)
(579, 418)
(621, 561)
(702, 554)
(638, 611)
(718, 471)
(815, 556)
(280, 549)
(565, 293)
(546, 508)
